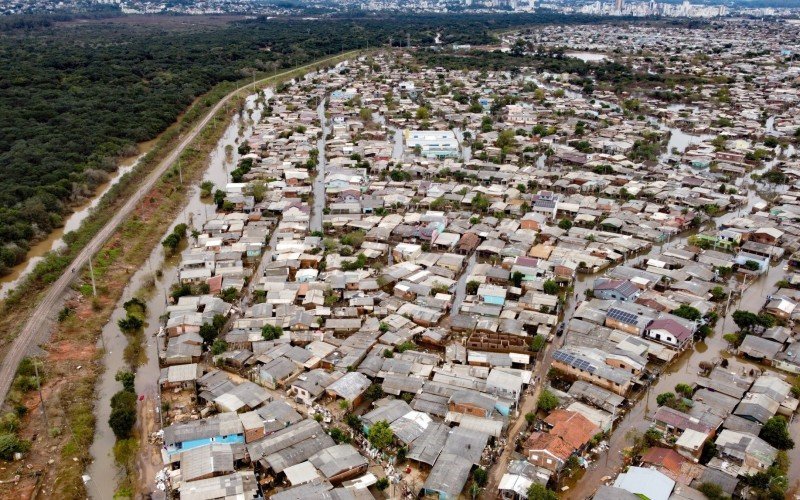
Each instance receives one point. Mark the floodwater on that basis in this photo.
(315, 223)
(686, 368)
(586, 56)
(103, 470)
(54, 240)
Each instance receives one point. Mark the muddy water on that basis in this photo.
(684, 369)
(103, 470)
(315, 222)
(54, 240)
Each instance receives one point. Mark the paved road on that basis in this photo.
(37, 325)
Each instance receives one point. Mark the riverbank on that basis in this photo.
(60, 447)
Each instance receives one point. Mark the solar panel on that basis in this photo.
(622, 316)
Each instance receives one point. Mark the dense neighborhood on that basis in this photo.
(445, 282)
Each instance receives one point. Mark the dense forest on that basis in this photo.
(75, 96)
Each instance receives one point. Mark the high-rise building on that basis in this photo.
(618, 5)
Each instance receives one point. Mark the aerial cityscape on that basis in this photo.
(395, 250)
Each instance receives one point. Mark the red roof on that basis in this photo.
(575, 429)
(665, 457)
(542, 441)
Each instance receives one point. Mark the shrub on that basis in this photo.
(548, 401)
(10, 444)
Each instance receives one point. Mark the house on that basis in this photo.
(350, 387)
(629, 318)
(671, 422)
(207, 461)
(339, 463)
(766, 236)
(758, 348)
(309, 386)
(780, 307)
(518, 478)
(433, 143)
(221, 428)
(575, 429)
(589, 364)
(547, 451)
(608, 289)
(471, 403)
(645, 483)
(180, 376)
(743, 452)
(240, 484)
(669, 332)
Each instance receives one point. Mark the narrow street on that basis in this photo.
(318, 209)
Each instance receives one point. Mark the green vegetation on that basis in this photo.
(123, 407)
(174, 239)
(380, 435)
(77, 97)
(687, 312)
(548, 401)
(537, 343)
(776, 432)
(540, 492)
(271, 332)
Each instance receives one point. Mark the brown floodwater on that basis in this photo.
(103, 472)
(54, 240)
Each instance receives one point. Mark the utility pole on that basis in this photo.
(91, 273)
(41, 398)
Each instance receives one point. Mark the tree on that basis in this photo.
(127, 379)
(123, 414)
(339, 435)
(480, 476)
(712, 491)
(550, 287)
(684, 389)
(229, 294)
(374, 392)
(218, 347)
(547, 401)
(382, 483)
(537, 343)
(718, 293)
(271, 332)
(687, 312)
(752, 265)
(565, 224)
(664, 398)
(208, 332)
(472, 287)
(538, 491)
(776, 432)
(516, 278)
(352, 420)
(709, 452)
(381, 435)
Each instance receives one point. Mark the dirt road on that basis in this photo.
(37, 326)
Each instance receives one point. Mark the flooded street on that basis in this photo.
(103, 470)
(686, 368)
(315, 222)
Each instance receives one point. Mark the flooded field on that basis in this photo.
(55, 240)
